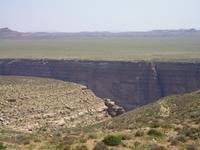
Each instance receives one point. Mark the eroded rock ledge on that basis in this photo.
(31, 104)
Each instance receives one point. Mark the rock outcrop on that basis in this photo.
(113, 109)
(31, 104)
(129, 84)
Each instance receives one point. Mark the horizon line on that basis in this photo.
(104, 31)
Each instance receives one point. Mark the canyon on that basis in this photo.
(130, 84)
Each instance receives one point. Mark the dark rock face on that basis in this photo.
(129, 84)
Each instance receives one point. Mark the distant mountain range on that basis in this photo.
(6, 33)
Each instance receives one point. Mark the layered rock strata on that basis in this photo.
(32, 104)
(129, 84)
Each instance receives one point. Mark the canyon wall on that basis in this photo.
(129, 84)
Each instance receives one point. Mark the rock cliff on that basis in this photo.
(129, 84)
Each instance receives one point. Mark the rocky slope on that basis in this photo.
(171, 123)
(129, 84)
(31, 104)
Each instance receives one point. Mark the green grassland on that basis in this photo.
(121, 48)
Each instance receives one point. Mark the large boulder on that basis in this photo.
(113, 109)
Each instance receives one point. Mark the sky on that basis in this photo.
(99, 15)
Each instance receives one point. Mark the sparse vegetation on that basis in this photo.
(190, 132)
(139, 133)
(69, 139)
(157, 147)
(137, 129)
(112, 140)
(181, 138)
(100, 146)
(92, 136)
(174, 141)
(191, 147)
(81, 147)
(2, 147)
(155, 133)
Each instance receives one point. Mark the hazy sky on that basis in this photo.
(99, 15)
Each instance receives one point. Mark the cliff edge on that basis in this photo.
(129, 84)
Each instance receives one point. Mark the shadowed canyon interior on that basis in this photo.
(129, 84)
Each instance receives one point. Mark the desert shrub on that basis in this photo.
(167, 126)
(2, 147)
(81, 147)
(37, 140)
(181, 138)
(174, 141)
(177, 129)
(100, 146)
(155, 133)
(57, 133)
(191, 147)
(92, 136)
(197, 121)
(125, 136)
(161, 123)
(63, 146)
(192, 133)
(141, 147)
(194, 114)
(112, 140)
(82, 139)
(69, 140)
(155, 125)
(157, 147)
(136, 143)
(21, 139)
(139, 133)
(26, 142)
